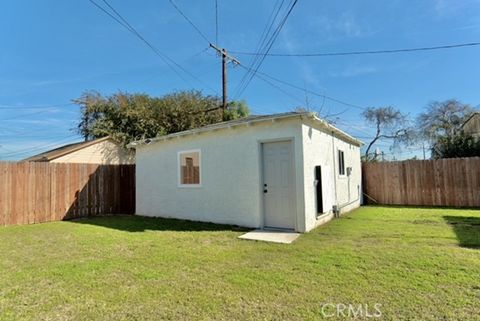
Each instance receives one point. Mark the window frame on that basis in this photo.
(341, 163)
(179, 168)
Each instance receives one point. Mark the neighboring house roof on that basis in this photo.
(472, 123)
(251, 120)
(64, 150)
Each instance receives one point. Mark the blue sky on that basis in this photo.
(54, 50)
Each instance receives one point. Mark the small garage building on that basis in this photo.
(287, 171)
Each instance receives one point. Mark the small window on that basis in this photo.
(189, 168)
(341, 163)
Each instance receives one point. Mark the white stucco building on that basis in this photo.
(289, 171)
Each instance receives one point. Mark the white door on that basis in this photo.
(278, 189)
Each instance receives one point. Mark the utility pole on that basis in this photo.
(226, 58)
(224, 81)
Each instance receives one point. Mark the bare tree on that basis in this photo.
(443, 119)
(440, 125)
(389, 123)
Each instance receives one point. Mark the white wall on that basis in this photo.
(230, 175)
(231, 186)
(320, 148)
(104, 152)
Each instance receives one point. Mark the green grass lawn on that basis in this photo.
(419, 264)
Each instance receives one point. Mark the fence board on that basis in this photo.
(446, 182)
(42, 192)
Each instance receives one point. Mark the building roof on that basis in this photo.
(472, 116)
(251, 120)
(63, 150)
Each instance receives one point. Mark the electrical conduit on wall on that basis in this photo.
(337, 207)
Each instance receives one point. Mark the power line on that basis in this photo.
(45, 135)
(280, 89)
(308, 91)
(190, 22)
(25, 115)
(169, 61)
(269, 45)
(262, 42)
(314, 93)
(221, 51)
(354, 127)
(127, 26)
(266, 31)
(5, 127)
(275, 86)
(265, 79)
(216, 22)
(329, 115)
(38, 148)
(35, 107)
(197, 54)
(245, 81)
(350, 53)
(109, 14)
(41, 147)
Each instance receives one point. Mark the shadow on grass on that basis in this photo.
(131, 223)
(467, 229)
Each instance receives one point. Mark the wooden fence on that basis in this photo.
(446, 182)
(41, 192)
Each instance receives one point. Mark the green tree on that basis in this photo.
(128, 117)
(237, 109)
(459, 145)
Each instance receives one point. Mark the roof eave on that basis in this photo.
(339, 132)
(46, 158)
(73, 150)
(305, 115)
(223, 125)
